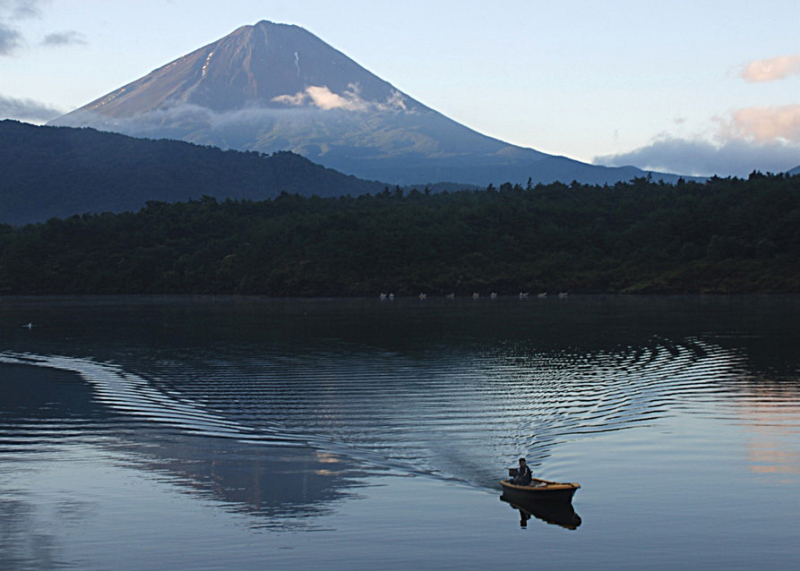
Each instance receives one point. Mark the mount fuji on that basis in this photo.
(274, 87)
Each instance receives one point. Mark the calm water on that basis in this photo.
(226, 433)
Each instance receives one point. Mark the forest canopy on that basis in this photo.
(724, 235)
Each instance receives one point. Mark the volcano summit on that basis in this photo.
(274, 87)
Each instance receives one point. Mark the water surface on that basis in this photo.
(212, 433)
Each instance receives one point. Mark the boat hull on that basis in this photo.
(541, 490)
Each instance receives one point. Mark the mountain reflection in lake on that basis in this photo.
(215, 433)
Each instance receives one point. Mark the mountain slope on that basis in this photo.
(272, 87)
(58, 172)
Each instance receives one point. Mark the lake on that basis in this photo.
(252, 433)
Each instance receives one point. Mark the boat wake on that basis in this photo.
(133, 395)
(455, 417)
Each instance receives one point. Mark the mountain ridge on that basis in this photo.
(270, 87)
(48, 172)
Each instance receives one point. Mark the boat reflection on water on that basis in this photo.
(553, 512)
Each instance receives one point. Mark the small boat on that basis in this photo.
(541, 490)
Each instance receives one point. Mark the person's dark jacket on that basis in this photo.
(524, 476)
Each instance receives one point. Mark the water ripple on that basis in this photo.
(451, 416)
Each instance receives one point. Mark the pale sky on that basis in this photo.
(695, 87)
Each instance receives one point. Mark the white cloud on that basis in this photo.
(294, 100)
(11, 11)
(64, 39)
(21, 9)
(765, 138)
(10, 39)
(704, 158)
(763, 124)
(322, 97)
(771, 69)
(151, 123)
(397, 101)
(13, 108)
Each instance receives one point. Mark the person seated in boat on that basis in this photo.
(523, 475)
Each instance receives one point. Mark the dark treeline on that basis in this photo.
(725, 235)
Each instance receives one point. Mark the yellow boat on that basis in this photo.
(542, 490)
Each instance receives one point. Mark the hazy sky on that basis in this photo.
(696, 87)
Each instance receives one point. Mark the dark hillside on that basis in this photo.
(60, 171)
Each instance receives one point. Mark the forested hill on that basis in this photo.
(725, 235)
(60, 171)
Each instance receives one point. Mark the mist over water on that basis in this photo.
(284, 409)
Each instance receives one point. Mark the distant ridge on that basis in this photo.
(272, 87)
(59, 172)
